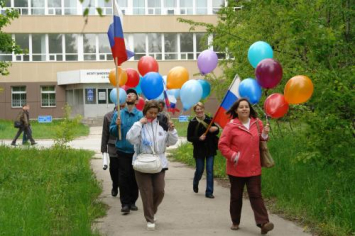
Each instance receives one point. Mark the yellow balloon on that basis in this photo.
(122, 76)
(298, 89)
(177, 76)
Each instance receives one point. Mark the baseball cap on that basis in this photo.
(131, 90)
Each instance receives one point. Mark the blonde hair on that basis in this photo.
(199, 104)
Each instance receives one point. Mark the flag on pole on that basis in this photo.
(115, 36)
(221, 118)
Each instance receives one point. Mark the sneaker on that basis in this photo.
(114, 192)
(133, 207)
(267, 227)
(234, 227)
(125, 209)
(150, 226)
(209, 196)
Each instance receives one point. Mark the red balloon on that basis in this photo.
(268, 73)
(125, 87)
(147, 64)
(275, 105)
(140, 104)
(132, 78)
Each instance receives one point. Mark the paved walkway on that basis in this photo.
(182, 212)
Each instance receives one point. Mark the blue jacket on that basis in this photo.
(127, 121)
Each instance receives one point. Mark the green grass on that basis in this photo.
(47, 192)
(181, 127)
(321, 198)
(40, 130)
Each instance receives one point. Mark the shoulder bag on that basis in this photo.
(148, 162)
(265, 156)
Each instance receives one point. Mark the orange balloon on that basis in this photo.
(298, 89)
(122, 76)
(177, 76)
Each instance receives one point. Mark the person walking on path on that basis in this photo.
(24, 118)
(205, 146)
(147, 135)
(108, 142)
(239, 144)
(127, 181)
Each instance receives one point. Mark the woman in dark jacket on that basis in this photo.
(205, 146)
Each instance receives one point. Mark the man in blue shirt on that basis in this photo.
(127, 181)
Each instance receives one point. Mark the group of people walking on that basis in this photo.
(151, 131)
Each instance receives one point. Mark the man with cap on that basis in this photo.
(125, 150)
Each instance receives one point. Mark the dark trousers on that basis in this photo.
(151, 187)
(200, 165)
(27, 132)
(253, 184)
(127, 181)
(114, 172)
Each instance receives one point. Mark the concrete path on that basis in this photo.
(182, 211)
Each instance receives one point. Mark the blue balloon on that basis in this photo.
(190, 93)
(259, 51)
(250, 89)
(174, 92)
(161, 96)
(122, 98)
(152, 85)
(206, 88)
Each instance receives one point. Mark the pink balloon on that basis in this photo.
(276, 105)
(268, 73)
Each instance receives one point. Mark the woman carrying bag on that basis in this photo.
(148, 137)
(239, 144)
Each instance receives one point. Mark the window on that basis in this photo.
(48, 96)
(18, 96)
(138, 7)
(217, 5)
(108, 96)
(37, 7)
(89, 47)
(171, 46)
(154, 7)
(90, 96)
(102, 96)
(201, 43)
(186, 7)
(139, 46)
(154, 46)
(23, 40)
(55, 47)
(201, 7)
(104, 48)
(70, 7)
(55, 7)
(71, 47)
(186, 46)
(38, 47)
(90, 5)
(21, 6)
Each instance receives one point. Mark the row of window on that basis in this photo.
(128, 7)
(96, 47)
(19, 96)
(73, 97)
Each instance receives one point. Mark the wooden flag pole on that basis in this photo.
(118, 100)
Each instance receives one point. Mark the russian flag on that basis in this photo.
(232, 95)
(115, 36)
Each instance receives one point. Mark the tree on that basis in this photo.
(7, 45)
(312, 38)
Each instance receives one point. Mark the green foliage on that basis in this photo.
(65, 132)
(313, 38)
(43, 192)
(7, 45)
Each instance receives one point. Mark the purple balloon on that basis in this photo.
(207, 61)
(268, 73)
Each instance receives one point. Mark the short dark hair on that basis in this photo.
(150, 104)
(161, 102)
(233, 114)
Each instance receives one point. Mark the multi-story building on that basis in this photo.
(68, 60)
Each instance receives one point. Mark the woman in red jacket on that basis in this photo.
(239, 144)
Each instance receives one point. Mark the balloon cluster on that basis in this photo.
(268, 73)
(176, 84)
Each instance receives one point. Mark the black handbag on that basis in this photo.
(17, 124)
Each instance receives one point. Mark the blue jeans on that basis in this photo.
(200, 165)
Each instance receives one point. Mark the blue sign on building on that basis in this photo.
(183, 118)
(44, 119)
(90, 95)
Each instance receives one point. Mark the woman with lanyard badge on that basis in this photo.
(147, 135)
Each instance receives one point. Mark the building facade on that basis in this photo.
(67, 60)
